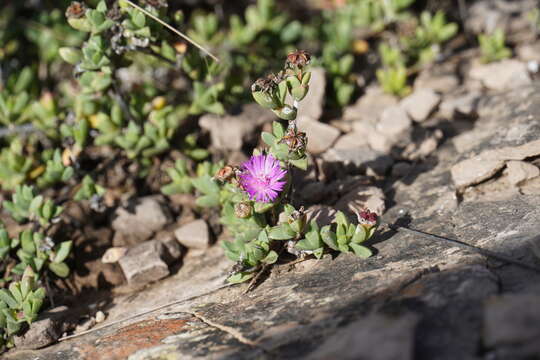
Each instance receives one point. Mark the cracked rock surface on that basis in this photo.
(414, 299)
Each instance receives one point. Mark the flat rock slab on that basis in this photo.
(435, 294)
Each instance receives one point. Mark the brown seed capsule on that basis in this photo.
(242, 210)
(76, 10)
(226, 173)
(298, 58)
(265, 84)
(295, 140)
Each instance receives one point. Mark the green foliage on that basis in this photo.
(431, 33)
(492, 47)
(25, 205)
(55, 171)
(19, 304)
(394, 80)
(15, 98)
(14, 165)
(347, 236)
(88, 190)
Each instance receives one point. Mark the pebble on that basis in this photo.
(140, 223)
(421, 103)
(143, 264)
(394, 121)
(321, 136)
(193, 235)
(501, 75)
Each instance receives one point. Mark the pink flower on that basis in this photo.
(261, 177)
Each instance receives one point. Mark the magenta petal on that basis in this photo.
(262, 178)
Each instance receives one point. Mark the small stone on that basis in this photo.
(113, 254)
(229, 132)
(361, 197)
(351, 140)
(355, 160)
(529, 52)
(423, 148)
(501, 75)
(421, 103)
(140, 223)
(464, 105)
(380, 142)
(472, 171)
(47, 329)
(512, 320)
(312, 105)
(100, 317)
(401, 169)
(394, 121)
(143, 264)
(370, 106)
(397, 335)
(85, 325)
(321, 136)
(440, 83)
(172, 250)
(193, 235)
(519, 171)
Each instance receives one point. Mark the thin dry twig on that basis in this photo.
(182, 35)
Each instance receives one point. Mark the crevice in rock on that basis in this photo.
(229, 330)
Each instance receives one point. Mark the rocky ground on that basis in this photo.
(459, 157)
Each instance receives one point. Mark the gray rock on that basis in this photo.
(113, 254)
(423, 147)
(351, 140)
(394, 121)
(230, 131)
(193, 235)
(519, 171)
(321, 136)
(312, 105)
(380, 142)
(47, 329)
(172, 250)
(355, 160)
(472, 171)
(483, 166)
(511, 326)
(441, 83)
(370, 106)
(529, 52)
(140, 223)
(362, 197)
(355, 341)
(143, 263)
(501, 75)
(464, 104)
(421, 103)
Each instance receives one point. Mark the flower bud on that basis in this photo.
(367, 218)
(298, 59)
(243, 210)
